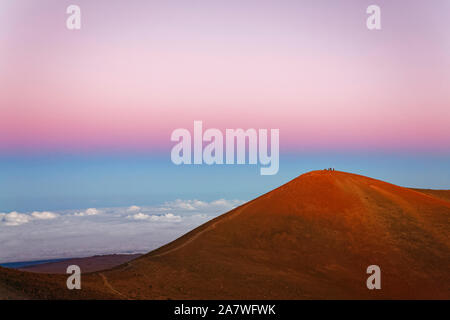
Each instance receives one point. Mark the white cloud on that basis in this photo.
(170, 217)
(226, 203)
(133, 208)
(44, 215)
(167, 217)
(14, 218)
(191, 205)
(186, 204)
(87, 212)
(139, 216)
(92, 212)
(200, 215)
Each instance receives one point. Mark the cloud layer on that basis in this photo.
(75, 233)
(16, 219)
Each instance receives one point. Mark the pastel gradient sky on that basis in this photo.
(88, 114)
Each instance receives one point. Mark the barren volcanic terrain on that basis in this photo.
(312, 238)
(89, 264)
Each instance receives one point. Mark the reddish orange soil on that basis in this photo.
(312, 238)
(443, 194)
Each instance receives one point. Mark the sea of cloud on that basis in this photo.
(43, 235)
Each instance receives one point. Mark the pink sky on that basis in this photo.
(139, 69)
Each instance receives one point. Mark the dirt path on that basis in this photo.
(198, 234)
(110, 287)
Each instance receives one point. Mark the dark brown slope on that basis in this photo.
(88, 264)
(311, 238)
